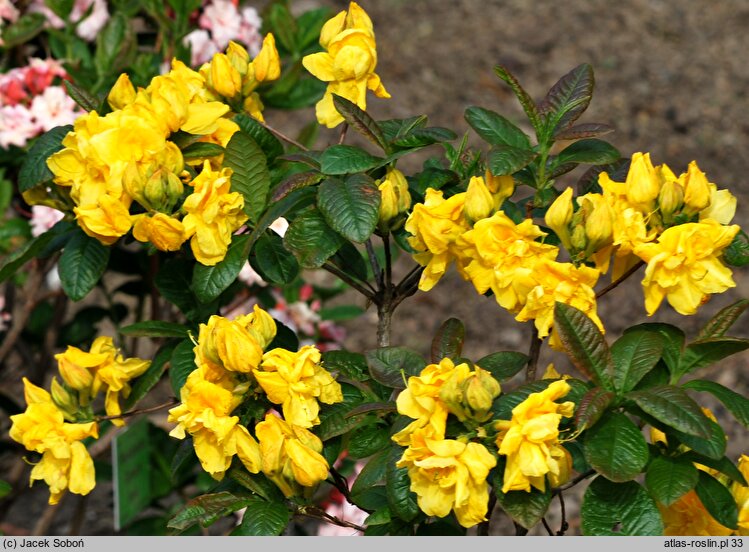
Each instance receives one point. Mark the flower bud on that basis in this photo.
(561, 466)
(501, 187)
(479, 201)
(238, 57)
(74, 368)
(224, 77)
(480, 390)
(162, 191)
(267, 64)
(696, 189)
(63, 399)
(559, 216)
(451, 392)
(670, 198)
(599, 225)
(642, 184)
(579, 240)
(122, 93)
(395, 197)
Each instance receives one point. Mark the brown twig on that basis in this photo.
(623, 277)
(368, 292)
(376, 270)
(564, 525)
(344, 130)
(136, 412)
(48, 516)
(573, 482)
(546, 526)
(283, 137)
(317, 513)
(533, 354)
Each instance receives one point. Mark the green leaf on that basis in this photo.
(351, 365)
(723, 465)
(334, 419)
(273, 260)
(504, 364)
(673, 407)
(529, 106)
(591, 151)
(526, 509)
(584, 343)
(380, 517)
(151, 376)
(592, 406)
(359, 120)
(342, 159)
(181, 365)
(295, 182)
(393, 129)
(34, 169)
(5, 488)
(496, 129)
(634, 355)
(567, 99)
(583, 130)
(250, 176)
(23, 30)
(401, 500)
(719, 324)
(371, 474)
(271, 146)
(619, 509)
(209, 281)
(82, 97)
(420, 137)
(668, 479)
(705, 352)
(340, 313)
(737, 404)
(737, 252)
(717, 500)
(112, 45)
(208, 508)
(82, 263)
(155, 328)
(311, 239)
(391, 366)
(173, 282)
(305, 92)
(616, 448)
(714, 446)
(367, 440)
(200, 150)
(284, 26)
(258, 484)
(448, 341)
(505, 160)
(673, 341)
(263, 519)
(350, 207)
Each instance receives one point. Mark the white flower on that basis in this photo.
(202, 48)
(249, 30)
(279, 226)
(43, 218)
(88, 27)
(222, 19)
(249, 276)
(54, 107)
(17, 126)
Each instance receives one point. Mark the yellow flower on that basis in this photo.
(214, 213)
(447, 475)
(65, 463)
(205, 413)
(501, 187)
(77, 367)
(229, 344)
(479, 202)
(435, 225)
(297, 381)
(500, 255)
(348, 63)
(688, 516)
(561, 282)
(530, 440)
(106, 221)
(395, 197)
(684, 265)
(421, 400)
(122, 93)
(164, 232)
(722, 206)
(741, 495)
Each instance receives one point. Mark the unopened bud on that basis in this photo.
(480, 390)
(479, 202)
(642, 184)
(671, 198)
(224, 77)
(122, 93)
(696, 189)
(579, 240)
(395, 197)
(451, 392)
(238, 57)
(599, 225)
(162, 191)
(501, 187)
(63, 399)
(267, 64)
(559, 216)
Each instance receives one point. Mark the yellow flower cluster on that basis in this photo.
(42, 428)
(447, 474)
(530, 440)
(496, 254)
(231, 366)
(678, 226)
(127, 156)
(347, 64)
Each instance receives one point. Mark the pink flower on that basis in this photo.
(12, 89)
(43, 218)
(249, 276)
(201, 46)
(4, 316)
(54, 108)
(17, 126)
(8, 11)
(223, 20)
(88, 27)
(40, 73)
(249, 30)
(279, 226)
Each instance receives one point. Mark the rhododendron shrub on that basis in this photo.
(180, 181)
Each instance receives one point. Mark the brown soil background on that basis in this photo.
(671, 77)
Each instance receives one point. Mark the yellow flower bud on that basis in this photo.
(395, 197)
(559, 216)
(267, 64)
(579, 239)
(599, 225)
(642, 182)
(63, 399)
(162, 191)
(224, 77)
(696, 189)
(501, 187)
(479, 201)
(122, 93)
(238, 57)
(671, 198)
(74, 366)
(480, 390)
